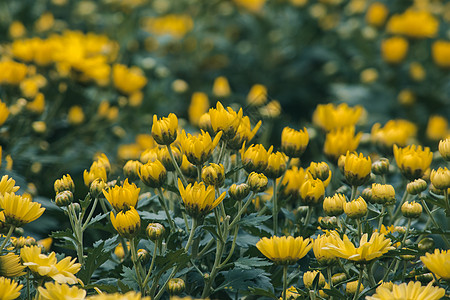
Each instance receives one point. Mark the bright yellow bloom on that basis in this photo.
(257, 182)
(10, 265)
(441, 53)
(257, 95)
(284, 250)
(164, 130)
(226, 120)
(55, 291)
(221, 87)
(308, 279)
(198, 149)
(127, 223)
(312, 191)
(334, 206)
(437, 128)
(320, 171)
(330, 116)
(440, 178)
(123, 197)
(394, 132)
(19, 210)
(444, 149)
(244, 133)
(376, 14)
(438, 263)
(67, 268)
(382, 193)
(367, 250)
(414, 23)
(95, 172)
(356, 208)
(323, 256)
(75, 116)
(294, 142)
(128, 80)
(64, 184)
(413, 160)
(103, 161)
(12, 73)
(394, 49)
(412, 290)
(357, 168)
(255, 158)
(276, 165)
(7, 185)
(198, 199)
(338, 142)
(9, 289)
(293, 180)
(199, 105)
(153, 174)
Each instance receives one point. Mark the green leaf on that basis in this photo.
(253, 220)
(67, 236)
(248, 263)
(261, 292)
(85, 203)
(334, 292)
(108, 285)
(243, 279)
(97, 218)
(129, 280)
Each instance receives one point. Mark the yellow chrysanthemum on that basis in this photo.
(55, 291)
(226, 120)
(367, 250)
(244, 134)
(198, 149)
(122, 197)
(164, 130)
(330, 116)
(323, 256)
(9, 289)
(7, 185)
(393, 132)
(413, 160)
(414, 23)
(412, 290)
(339, 141)
(127, 223)
(10, 265)
(284, 250)
(19, 210)
(438, 263)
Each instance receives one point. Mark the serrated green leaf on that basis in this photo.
(97, 218)
(253, 220)
(261, 292)
(248, 263)
(85, 203)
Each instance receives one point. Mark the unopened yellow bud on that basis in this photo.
(153, 174)
(367, 194)
(440, 178)
(426, 244)
(214, 174)
(127, 223)
(312, 191)
(357, 169)
(164, 130)
(444, 148)
(255, 158)
(328, 222)
(294, 142)
(416, 187)
(338, 278)
(155, 231)
(308, 279)
(351, 287)
(411, 210)
(257, 182)
(382, 193)
(334, 206)
(276, 165)
(221, 87)
(356, 209)
(381, 166)
(239, 191)
(175, 286)
(131, 169)
(320, 171)
(64, 184)
(63, 198)
(143, 256)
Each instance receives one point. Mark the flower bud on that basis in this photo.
(143, 256)
(257, 182)
(188, 169)
(440, 178)
(204, 123)
(308, 279)
(239, 192)
(416, 187)
(64, 184)
(131, 169)
(164, 157)
(338, 278)
(367, 194)
(356, 209)
(164, 130)
(294, 142)
(97, 187)
(425, 278)
(127, 223)
(328, 222)
(255, 158)
(381, 166)
(214, 174)
(63, 198)
(334, 206)
(153, 174)
(312, 191)
(320, 171)
(426, 244)
(22, 241)
(357, 169)
(382, 193)
(434, 190)
(411, 210)
(444, 148)
(175, 286)
(351, 287)
(276, 165)
(155, 231)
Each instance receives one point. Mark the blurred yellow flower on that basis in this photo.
(293, 180)
(199, 105)
(9, 289)
(284, 250)
(122, 197)
(440, 51)
(438, 263)
(437, 128)
(45, 22)
(376, 14)
(440, 178)
(444, 149)
(164, 130)
(251, 5)
(7, 185)
(226, 120)
(198, 149)
(271, 110)
(339, 141)
(4, 113)
(410, 290)
(221, 87)
(128, 80)
(117, 296)
(393, 132)
(45, 243)
(56, 291)
(294, 142)
(417, 72)
(96, 171)
(12, 72)
(17, 29)
(19, 210)
(414, 23)
(75, 116)
(126, 222)
(329, 116)
(174, 25)
(394, 49)
(257, 95)
(413, 160)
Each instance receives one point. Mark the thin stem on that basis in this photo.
(162, 201)
(358, 221)
(285, 267)
(8, 236)
(177, 168)
(28, 285)
(372, 281)
(222, 150)
(191, 235)
(380, 221)
(399, 208)
(447, 205)
(308, 215)
(215, 269)
(275, 208)
(147, 278)
(91, 213)
(354, 192)
(243, 208)
(343, 268)
(135, 263)
(358, 287)
(329, 276)
(408, 226)
(206, 248)
(425, 206)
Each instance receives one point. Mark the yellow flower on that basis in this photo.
(323, 256)
(320, 171)
(95, 172)
(308, 279)
(440, 178)
(350, 287)
(153, 174)
(244, 133)
(198, 199)
(103, 161)
(7, 185)
(164, 130)
(117, 296)
(330, 116)
(284, 250)
(413, 160)
(10, 265)
(127, 223)
(338, 142)
(119, 251)
(128, 80)
(438, 263)
(37, 106)
(257, 95)
(151, 154)
(4, 113)
(188, 169)
(411, 209)
(17, 29)
(437, 128)
(376, 14)
(394, 132)
(199, 105)
(257, 182)
(394, 49)
(293, 180)
(45, 243)
(334, 206)
(276, 165)
(417, 72)
(64, 184)
(251, 5)
(226, 120)
(19, 210)
(174, 25)
(271, 110)
(131, 169)
(382, 193)
(441, 53)
(312, 191)
(221, 87)
(75, 116)
(410, 290)
(238, 191)
(67, 268)
(444, 149)
(13, 73)
(356, 208)
(357, 168)
(55, 291)
(367, 250)
(255, 158)
(22, 241)
(163, 156)
(414, 23)
(294, 142)
(122, 197)
(9, 289)
(198, 149)
(214, 174)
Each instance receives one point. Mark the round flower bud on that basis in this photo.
(97, 187)
(382, 193)
(434, 190)
(416, 187)
(440, 178)
(153, 174)
(127, 223)
(257, 182)
(320, 171)
(328, 222)
(164, 157)
(276, 165)
(308, 279)
(175, 286)
(22, 241)
(294, 142)
(381, 166)
(338, 278)
(407, 257)
(63, 198)
(351, 287)
(131, 169)
(411, 210)
(164, 130)
(76, 207)
(64, 184)
(444, 148)
(214, 174)
(356, 209)
(155, 231)
(367, 194)
(312, 191)
(255, 158)
(425, 278)
(426, 244)
(334, 206)
(239, 192)
(357, 169)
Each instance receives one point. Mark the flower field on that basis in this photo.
(224, 149)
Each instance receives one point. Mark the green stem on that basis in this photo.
(40, 283)
(312, 294)
(358, 287)
(358, 221)
(135, 263)
(162, 201)
(329, 276)
(425, 206)
(399, 208)
(77, 230)
(206, 248)
(447, 205)
(28, 285)
(408, 226)
(199, 173)
(233, 245)
(275, 208)
(147, 278)
(343, 268)
(285, 267)
(222, 151)
(215, 269)
(380, 221)
(308, 216)
(372, 281)
(177, 168)
(8, 236)
(243, 208)
(354, 192)
(191, 235)
(91, 213)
